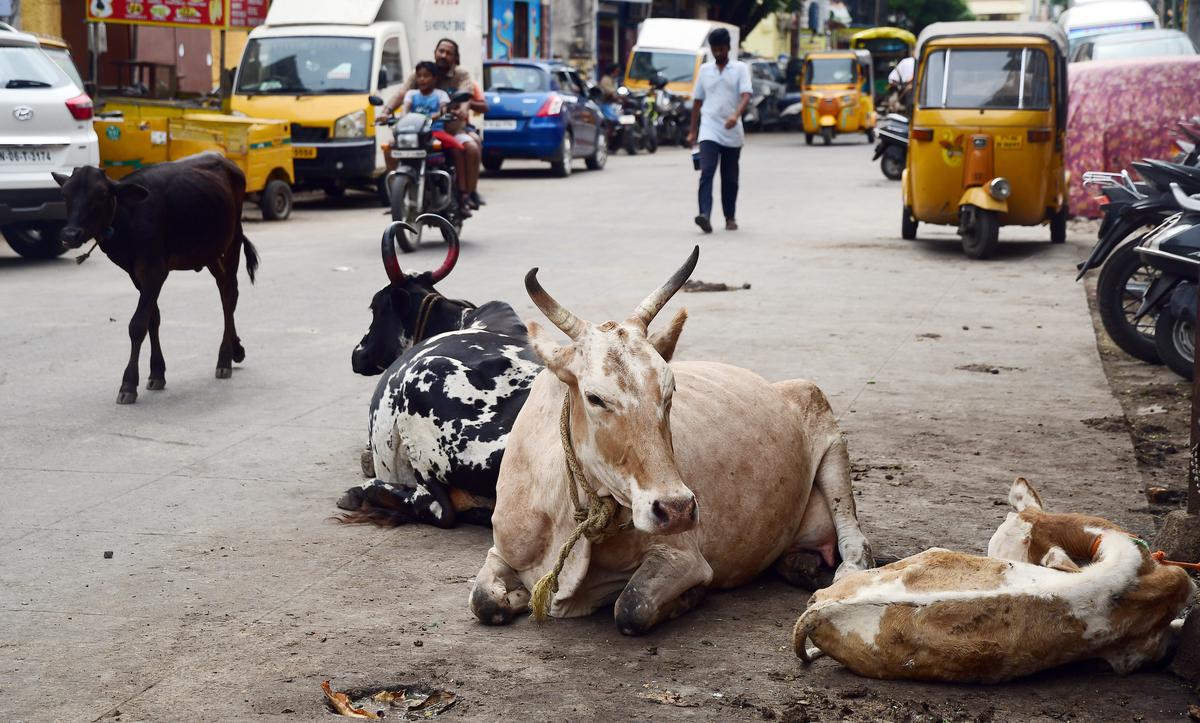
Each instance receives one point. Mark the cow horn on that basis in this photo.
(652, 304)
(560, 315)
(390, 263)
(451, 237)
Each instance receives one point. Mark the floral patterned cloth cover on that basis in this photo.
(1121, 111)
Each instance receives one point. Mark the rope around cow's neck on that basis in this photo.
(596, 522)
(426, 310)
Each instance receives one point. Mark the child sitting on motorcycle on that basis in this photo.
(428, 100)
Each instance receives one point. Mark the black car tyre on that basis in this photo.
(276, 201)
(35, 240)
(1058, 225)
(908, 225)
(599, 157)
(492, 164)
(981, 239)
(405, 207)
(562, 167)
(334, 191)
(827, 135)
(1175, 340)
(892, 162)
(1119, 290)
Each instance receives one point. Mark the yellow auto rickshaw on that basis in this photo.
(836, 88)
(887, 46)
(987, 131)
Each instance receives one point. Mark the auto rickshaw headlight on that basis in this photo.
(811, 100)
(999, 188)
(847, 99)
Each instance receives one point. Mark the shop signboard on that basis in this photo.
(218, 14)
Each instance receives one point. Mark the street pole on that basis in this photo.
(1193, 498)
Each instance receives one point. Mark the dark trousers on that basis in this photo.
(711, 153)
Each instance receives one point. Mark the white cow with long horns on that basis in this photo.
(632, 479)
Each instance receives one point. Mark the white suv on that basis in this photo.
(45, 125)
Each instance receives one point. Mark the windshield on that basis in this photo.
(827, 71)
(515, 79)
(675, 66)
(986, 79)
(26, 67)
(304, 65)
(1147, 48)
(62, 59)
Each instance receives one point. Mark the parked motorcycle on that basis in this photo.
(892, 146)
(672, 117)
(423, 181)
(635, 129)
(1126, 277)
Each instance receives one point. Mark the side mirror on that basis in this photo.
(461, 96)
(374, 100)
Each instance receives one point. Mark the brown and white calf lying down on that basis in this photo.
(949, 616)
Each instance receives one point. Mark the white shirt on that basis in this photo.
(903, 72)
(721, 90)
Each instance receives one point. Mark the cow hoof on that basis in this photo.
(367, 462)
(239, 354)
(224, 372)
(156, 385)
(126, 397)
(488, 610)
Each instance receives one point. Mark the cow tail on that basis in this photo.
(375, 503)
(251, 255)
(804, 626)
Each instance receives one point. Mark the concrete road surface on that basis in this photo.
(231, 594)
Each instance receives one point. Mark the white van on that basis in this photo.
(1103, 17)
(316, 63)
(676, 48)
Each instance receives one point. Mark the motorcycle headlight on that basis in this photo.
(352, 125)
(407, 140)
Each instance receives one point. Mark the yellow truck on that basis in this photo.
(135, 134)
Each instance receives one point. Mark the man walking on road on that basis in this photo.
(718, 101)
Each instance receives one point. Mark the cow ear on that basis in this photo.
(556, 358)
(132, 193)
(1058, 559)
(1023, 496)
(664, 340)
(59, 178)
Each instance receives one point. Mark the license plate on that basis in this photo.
(1008, 143)
(25, 155)
(408, 154)
(628, 120)
(499, 125)
(304, 152)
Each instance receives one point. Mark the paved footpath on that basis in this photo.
(230, 594)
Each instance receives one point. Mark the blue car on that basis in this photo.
(541, 110)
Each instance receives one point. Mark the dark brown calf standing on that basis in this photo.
(172, 216)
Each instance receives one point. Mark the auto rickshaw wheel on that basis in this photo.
(276, 201)
(1058, 225)
(980, 238)
(827, 135)
(808, 139)
(908, 225)
(871, 136)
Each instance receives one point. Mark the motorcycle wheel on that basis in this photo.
(405, 207)
(827, 135)
(980, 241)
(1175, 341)
(1119, 290)
(871, 136)
(892, 163)
(630, 140)
(651, 141)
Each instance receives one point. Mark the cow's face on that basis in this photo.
(92, 199)
(621, 387)
(393, 318)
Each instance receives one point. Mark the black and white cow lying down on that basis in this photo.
(454, 378)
